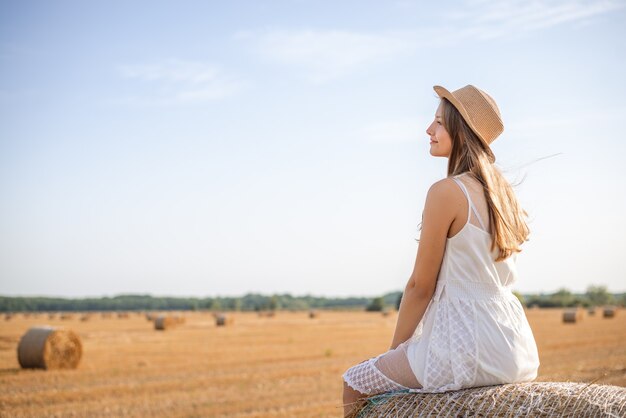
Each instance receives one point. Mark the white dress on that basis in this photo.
(474, 331)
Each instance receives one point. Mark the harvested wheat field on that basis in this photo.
(288, 365)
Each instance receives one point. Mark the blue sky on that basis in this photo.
(219, 148)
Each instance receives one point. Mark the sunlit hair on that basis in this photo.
(470, 154)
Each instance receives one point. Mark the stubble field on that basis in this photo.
(288, 365)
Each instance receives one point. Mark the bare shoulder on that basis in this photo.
(444, 191)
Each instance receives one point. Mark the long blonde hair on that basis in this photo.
(470, 154)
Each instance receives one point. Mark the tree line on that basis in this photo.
(130, 302)
(594, 296)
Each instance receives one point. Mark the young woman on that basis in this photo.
(459, 324)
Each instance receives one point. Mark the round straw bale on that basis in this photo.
(591, 311)
(313, 314)
(85, 317)
(222, 320)
(532, 399)
(66, 316)
(570, 316)
(608, 312)
(7, 317)
(48, 347)
(163, 322)
(150, 317)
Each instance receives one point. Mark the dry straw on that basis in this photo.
(571, 316)
(533, 399)
(163, 322)
(222, 320)
(608, 312)
(48, 347)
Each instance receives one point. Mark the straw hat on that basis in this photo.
(479, 110)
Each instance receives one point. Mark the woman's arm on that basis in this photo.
(440, 210)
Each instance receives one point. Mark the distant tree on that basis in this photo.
(273, 303)
(519, 297)
(399, 301)
(598, 295)
(216, 304)
(377, 305)
(563, 297)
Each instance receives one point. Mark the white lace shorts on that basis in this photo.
(387, 372)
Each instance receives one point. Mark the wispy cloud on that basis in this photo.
(179, 82)
(323, 55)
(487, 19)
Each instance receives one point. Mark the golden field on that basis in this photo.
(289, 365)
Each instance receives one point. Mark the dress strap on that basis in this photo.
(470, 203)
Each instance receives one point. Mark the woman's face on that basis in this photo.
(440, 141)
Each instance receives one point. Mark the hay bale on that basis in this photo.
(163, 322)
(85, 317)
(150, 317)
(570, 316)
(313, 314)
(48, 347)
(223, 320)
(532, 399)
(591, 311)
(66, 316)
(123, 315)
(608, 312)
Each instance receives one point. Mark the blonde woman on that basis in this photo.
(459, 324)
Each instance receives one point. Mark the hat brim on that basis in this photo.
(442, 92)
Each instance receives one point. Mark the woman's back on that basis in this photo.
(468, 256)
(479, 217)
(475, 331)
